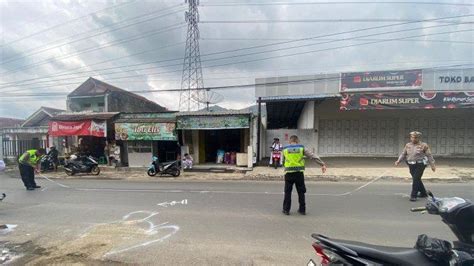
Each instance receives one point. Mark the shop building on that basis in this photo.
(145, 135)
(223, 137)
(369, 114)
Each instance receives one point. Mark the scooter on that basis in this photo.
(276, 158)
(455, 212)
(82, 164)
(170, 168)
(46, 163)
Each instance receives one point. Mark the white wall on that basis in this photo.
(306, 119)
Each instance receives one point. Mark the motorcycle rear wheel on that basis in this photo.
(95, 170)
(176, 173)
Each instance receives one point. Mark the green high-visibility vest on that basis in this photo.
(294, 158)
(33, 160)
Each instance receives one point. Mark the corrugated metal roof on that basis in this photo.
(297, 97)
(219, 113)
(76, 116)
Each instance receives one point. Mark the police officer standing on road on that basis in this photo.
(417, 154)
(28, 164)
(294, 162)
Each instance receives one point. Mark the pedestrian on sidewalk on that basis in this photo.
(294, 162)
(29, 164)
(417, 155)
(187, 161)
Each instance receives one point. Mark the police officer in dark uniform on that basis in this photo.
(417, 155)
(294, 156)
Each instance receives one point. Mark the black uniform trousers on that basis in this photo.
(416, 171)
(27, 173)
(296, 178)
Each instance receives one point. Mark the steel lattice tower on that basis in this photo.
(191, 81)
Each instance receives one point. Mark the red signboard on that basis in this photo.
(77, 128)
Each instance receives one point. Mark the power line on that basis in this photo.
(322, 36)
(55, 94)
(109, 44)
(64, 73)
(362, 20)
(280, 49)
(336, 3)
(15, 58)
(68, 22)
(272, 71)
(357, 39)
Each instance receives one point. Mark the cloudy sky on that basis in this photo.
(53, 46)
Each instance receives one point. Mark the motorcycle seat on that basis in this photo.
(393, 255)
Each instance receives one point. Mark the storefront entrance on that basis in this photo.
(226, 140)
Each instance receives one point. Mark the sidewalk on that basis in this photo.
(369, 168)
(339, 169)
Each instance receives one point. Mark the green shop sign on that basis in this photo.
(145, 131)
(213, 122)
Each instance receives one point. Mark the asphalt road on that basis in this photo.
(195, 223)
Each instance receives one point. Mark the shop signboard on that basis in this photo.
(449, 80)
(145, 131)
(382, 81)
(77, 128)
(213, 122)
(419, 100)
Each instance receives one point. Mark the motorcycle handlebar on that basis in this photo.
(418, 209)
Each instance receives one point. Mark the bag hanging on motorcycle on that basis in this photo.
(435, 249)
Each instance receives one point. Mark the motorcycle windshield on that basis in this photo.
(448, 204)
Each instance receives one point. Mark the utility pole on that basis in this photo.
(192, 83)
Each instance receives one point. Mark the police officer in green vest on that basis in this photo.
(28, 164)
(294, 161)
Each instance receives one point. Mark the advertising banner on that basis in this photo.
(213, 122)
(421, 100)
(77, 128)
(145, 131)
(381, 81)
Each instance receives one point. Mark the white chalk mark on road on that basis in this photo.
(172, 203)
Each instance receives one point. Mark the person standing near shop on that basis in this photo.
(54, 154)
(294, 163)
(417, 155)
(28, 164)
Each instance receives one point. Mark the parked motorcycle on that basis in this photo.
(455, 212)
(276, 158)
(46, 163)
(82, 164)
(170, 168)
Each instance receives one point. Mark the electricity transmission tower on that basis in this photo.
(192, 83)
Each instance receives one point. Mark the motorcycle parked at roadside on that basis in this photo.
(81, 164)
(455, 212)
(169, 168)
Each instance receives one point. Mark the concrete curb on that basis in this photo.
(250, 177)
